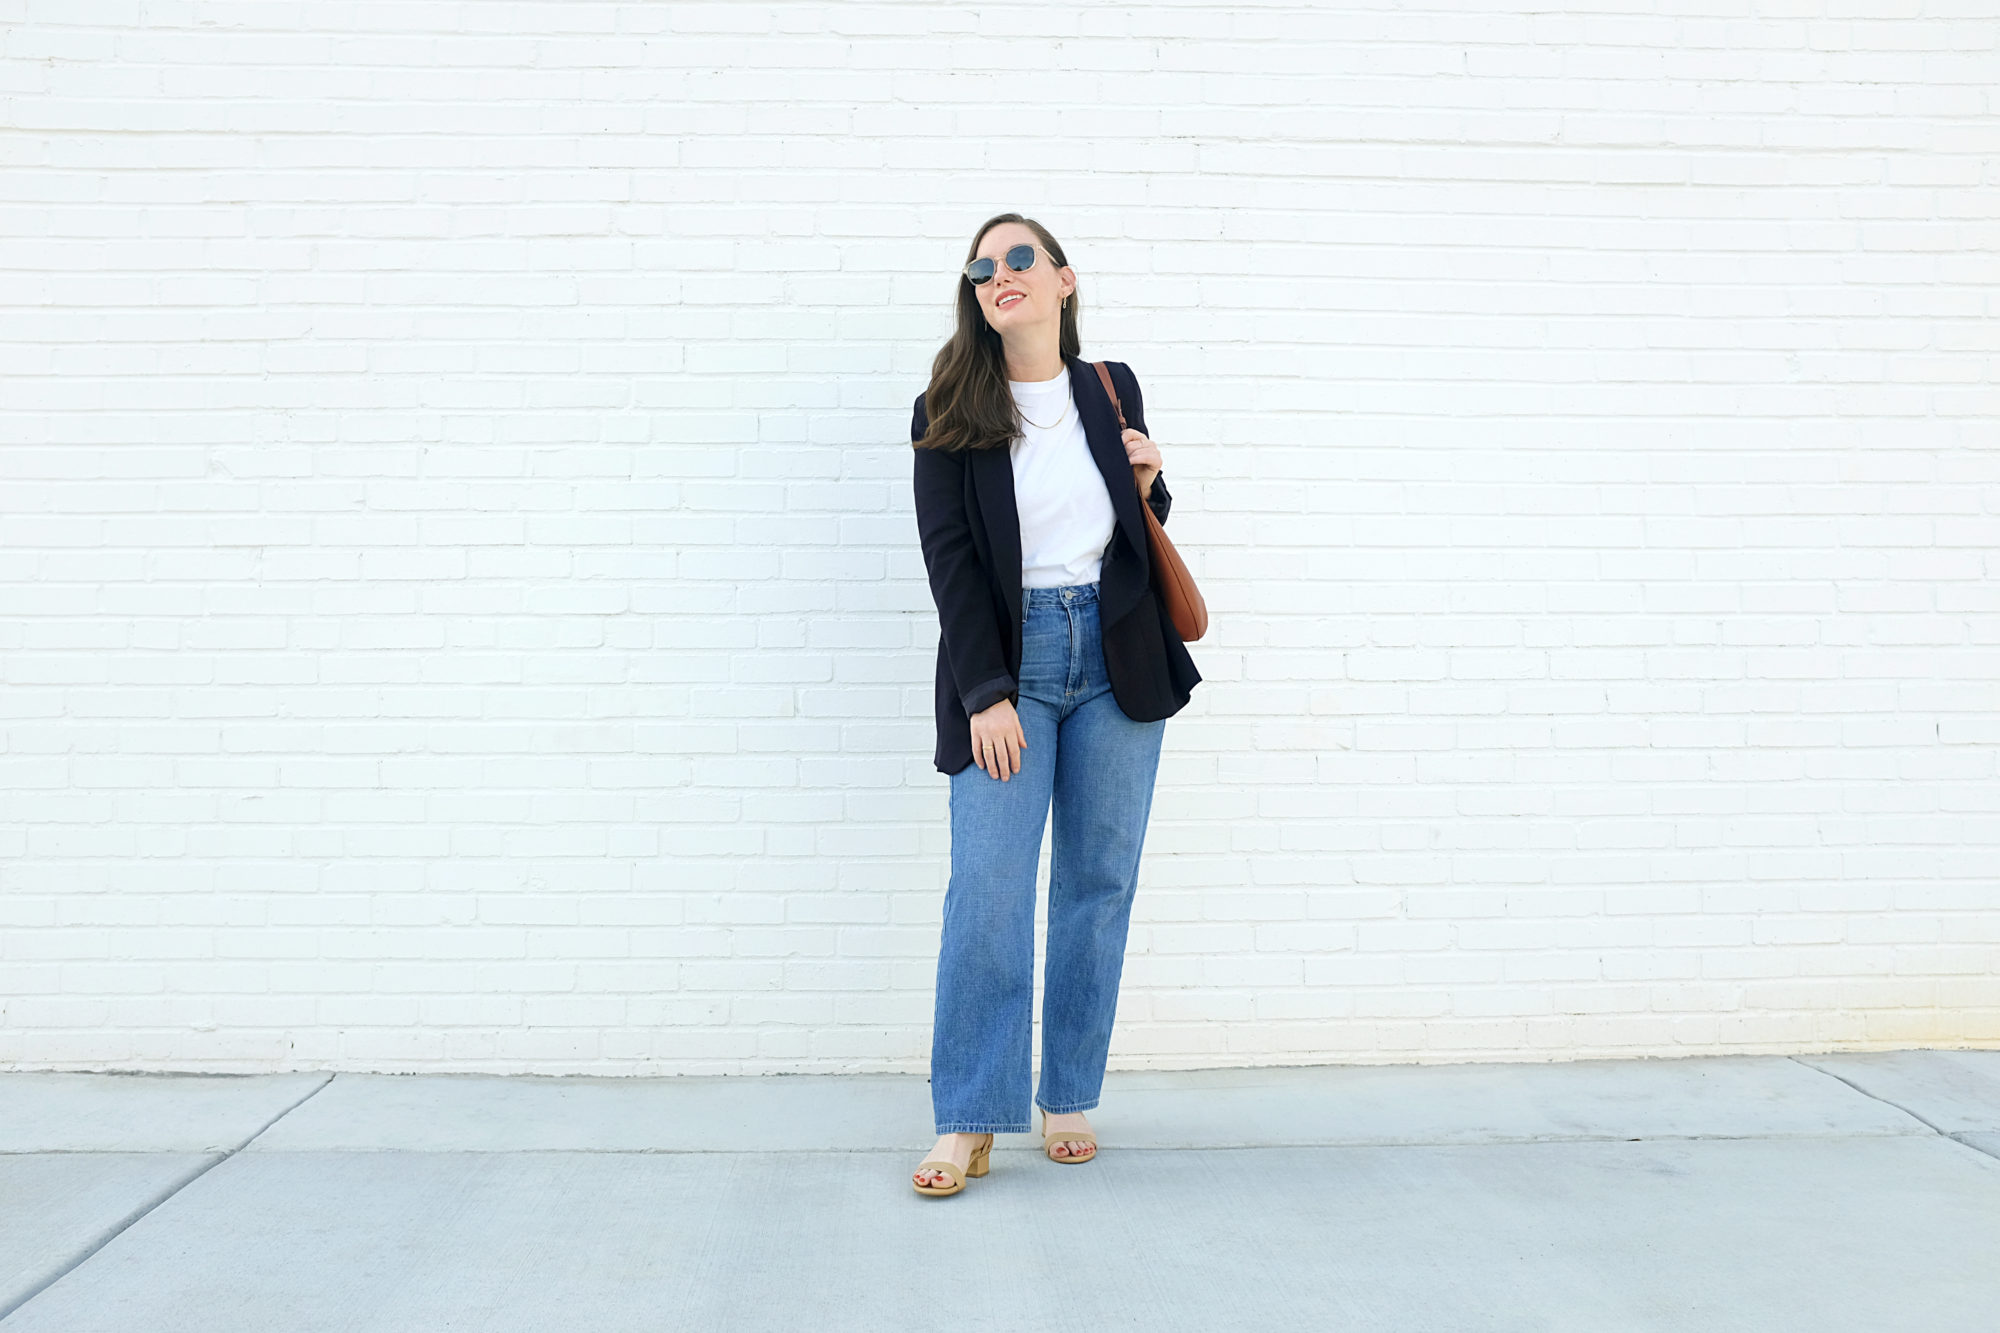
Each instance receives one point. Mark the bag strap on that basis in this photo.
(1105, 375)
(1167, 571)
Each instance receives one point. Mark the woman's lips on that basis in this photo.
(1009, 299)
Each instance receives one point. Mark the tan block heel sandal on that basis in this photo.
(1049, 1141)
(977, 1167)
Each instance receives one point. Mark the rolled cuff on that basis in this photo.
(987, 693)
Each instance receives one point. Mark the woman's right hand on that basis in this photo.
(997, 740)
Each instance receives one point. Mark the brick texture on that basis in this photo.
(462, 608)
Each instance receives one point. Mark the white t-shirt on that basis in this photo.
(1065, 510)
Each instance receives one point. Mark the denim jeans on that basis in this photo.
(1098, 767)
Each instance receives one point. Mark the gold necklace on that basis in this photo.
(1067, 403)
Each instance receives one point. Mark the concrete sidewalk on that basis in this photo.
(1762, 1193)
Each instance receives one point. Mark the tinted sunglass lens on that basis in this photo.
(1021, 258)
(980, 271)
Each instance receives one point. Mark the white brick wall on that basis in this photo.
(463, 610)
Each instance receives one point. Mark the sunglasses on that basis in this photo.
(1020, 258)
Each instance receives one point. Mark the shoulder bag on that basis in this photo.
(1170, 574)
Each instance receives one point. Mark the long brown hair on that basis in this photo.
(968, 405)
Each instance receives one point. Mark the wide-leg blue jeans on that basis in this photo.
(1097, 766)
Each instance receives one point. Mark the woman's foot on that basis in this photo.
(953, 1148)
(1062, 1147)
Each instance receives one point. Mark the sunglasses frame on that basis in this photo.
(966, 272)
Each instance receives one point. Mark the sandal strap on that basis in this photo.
(1061, 1135)
(949, 1168)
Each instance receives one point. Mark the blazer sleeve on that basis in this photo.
(959, 584)
(1158, 499)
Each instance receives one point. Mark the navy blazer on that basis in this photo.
(971, 537)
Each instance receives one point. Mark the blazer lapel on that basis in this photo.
(993, 480)
(1100, 427)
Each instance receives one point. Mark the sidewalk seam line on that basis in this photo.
(136, 1215)
(1874, 1096)
(1938, 1130)
(654, 1151)
(1961, 1137)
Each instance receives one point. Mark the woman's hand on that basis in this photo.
(997, 740)
(1143, 454)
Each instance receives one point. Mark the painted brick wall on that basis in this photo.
(462, 607)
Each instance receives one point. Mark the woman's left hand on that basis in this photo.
(1143, 454)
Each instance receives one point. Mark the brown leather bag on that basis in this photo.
(1170, 575)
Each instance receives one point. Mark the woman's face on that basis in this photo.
(1016, 301)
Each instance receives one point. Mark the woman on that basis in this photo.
(1057, 669)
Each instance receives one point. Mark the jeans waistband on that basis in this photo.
(1065, 596)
